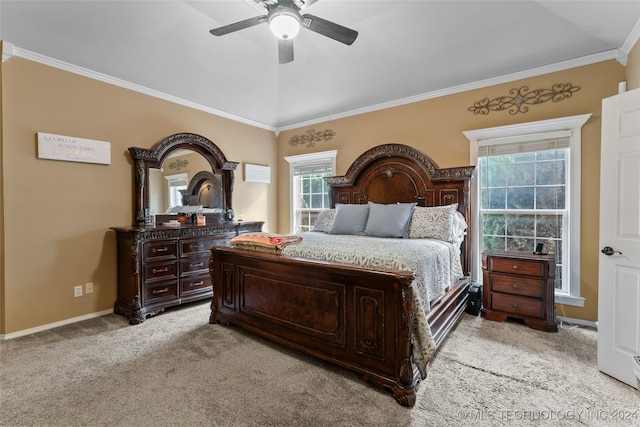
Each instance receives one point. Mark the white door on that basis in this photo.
(619, 279)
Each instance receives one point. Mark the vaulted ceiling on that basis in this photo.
(405, 50)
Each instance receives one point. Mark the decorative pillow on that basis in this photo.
(433, 222)
(389, 220)
(325, 220)
(350, 219)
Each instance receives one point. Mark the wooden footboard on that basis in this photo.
(357, 318)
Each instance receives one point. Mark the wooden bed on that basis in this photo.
(358, 318)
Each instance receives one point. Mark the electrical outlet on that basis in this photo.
(88, 288)
(77, 291)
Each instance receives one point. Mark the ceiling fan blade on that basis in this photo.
(285, 50)
(221, 31)
(307, 3)
(330, 29)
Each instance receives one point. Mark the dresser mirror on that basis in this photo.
(182, 170)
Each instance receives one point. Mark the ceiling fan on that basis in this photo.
(285, 20)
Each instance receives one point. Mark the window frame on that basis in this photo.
(528, 132)
(174, 181)
(305, 160)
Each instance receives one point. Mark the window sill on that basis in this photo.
(567, 299)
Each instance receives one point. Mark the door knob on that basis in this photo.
(608, 250)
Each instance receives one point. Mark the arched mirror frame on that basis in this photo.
(153, 158)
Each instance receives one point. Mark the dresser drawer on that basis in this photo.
(155, 251)
(202, 246)
(194, 265)
(517, 285)
(517, 266)
(160, 292)
(164, 271)
(195, 284)
(519, 306)
(196, 247)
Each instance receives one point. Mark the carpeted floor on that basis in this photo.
(177, 370)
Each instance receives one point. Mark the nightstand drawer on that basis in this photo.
(519, 306)
(517, 285)
(517, 266)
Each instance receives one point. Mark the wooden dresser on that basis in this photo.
(519, 285)
(162, 267)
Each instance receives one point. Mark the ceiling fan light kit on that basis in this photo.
(285, 21)
(284, 24)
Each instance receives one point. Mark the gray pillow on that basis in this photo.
(350, 219)
(389, 220)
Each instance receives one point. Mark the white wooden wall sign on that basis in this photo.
(72, 149)
(257, 173)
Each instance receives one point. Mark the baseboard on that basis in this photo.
(578, 322)
(48, 326)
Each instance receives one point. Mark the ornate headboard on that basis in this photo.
(396, 173)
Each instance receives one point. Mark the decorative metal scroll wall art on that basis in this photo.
(179, 164)
(311, 137)
(521, 98)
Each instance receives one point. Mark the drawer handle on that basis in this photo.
(159, 291)
(515, 305)
(200, 264)
(160, 270)
(196, 284)
(515, 267)
(165, 249)
(515, 286)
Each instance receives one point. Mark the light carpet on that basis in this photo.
(176, 369)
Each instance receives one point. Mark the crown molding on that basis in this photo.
(629, 43)
(9, 51)
(533, 72)
(85, 72)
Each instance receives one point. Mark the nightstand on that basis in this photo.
(519, 285)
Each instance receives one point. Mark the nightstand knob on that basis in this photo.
(515, 286)
(515, 267)
(515, 305)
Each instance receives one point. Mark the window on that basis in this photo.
(523, 198)
(527, 191)
(309, 191)
(176, 183)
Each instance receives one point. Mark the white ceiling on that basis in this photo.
(405, 50)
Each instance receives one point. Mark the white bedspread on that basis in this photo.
(435, 264)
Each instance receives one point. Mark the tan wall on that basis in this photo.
(55, 215)
(58, 214)
(632, 70)
(435, 127)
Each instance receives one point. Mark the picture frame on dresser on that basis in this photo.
(161, 266)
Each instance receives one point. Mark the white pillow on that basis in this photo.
(433, 222)
(324, 222)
